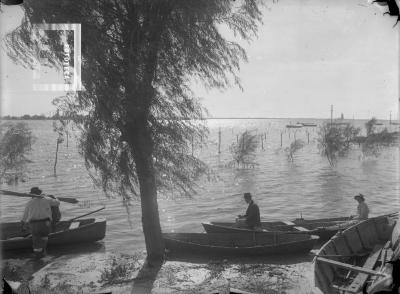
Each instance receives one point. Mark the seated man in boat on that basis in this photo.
(38, 215)
(251, 219)
(362, 208)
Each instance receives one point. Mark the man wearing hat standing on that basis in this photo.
(362, 208)
(252, 216)
(38, 215)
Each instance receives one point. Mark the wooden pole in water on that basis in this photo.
(192, 145)
(219, 141)
(243, 142)
(281, 137)
(55, 161)
(308, 137)
(262, 141)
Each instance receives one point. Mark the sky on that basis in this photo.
(308, 55)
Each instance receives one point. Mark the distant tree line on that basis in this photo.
(34, 117)
(336, 141)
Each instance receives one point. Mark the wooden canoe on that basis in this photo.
(66, 232)
(325, 228)
(355, 256)
(238, 244)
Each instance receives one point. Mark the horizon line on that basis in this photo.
(226, 118)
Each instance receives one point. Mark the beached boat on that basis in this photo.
(66, 232)
(357, 256)
(238, 244)
(325, 228)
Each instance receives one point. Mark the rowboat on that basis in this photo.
(325, 228)
(356, 256)
(238, 244)
(66, 232)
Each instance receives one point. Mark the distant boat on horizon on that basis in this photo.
(296, 126)
(307, 124)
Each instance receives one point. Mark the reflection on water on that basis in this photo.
(282, 189)
(331, 183)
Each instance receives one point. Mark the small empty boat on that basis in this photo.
(357, 256)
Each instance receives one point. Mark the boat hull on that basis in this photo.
(238, 244)
(89, 230)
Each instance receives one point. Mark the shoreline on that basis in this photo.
(105, 271)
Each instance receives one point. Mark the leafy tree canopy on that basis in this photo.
(335, 141)
(295, 146)
(243, 151)
(139, 59)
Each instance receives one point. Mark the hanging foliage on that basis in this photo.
(295, 146)
(15, 143)
(244, 150)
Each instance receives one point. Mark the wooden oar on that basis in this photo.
(19, 194)
(86, 214)
(350, 267)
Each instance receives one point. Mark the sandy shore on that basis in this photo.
(107, 271)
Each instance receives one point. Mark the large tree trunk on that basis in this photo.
(140, 91)
(141, 146)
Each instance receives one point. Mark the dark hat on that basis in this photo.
(247, 195)
(361, 196)
(36, 191)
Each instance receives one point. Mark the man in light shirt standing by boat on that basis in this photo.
(38, 215)
(362, 208)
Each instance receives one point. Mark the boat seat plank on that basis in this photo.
(360, 280)
(340, 289)
(74, 225)
(350, 267)
(389, 254)
(302, 229)
(386, 254)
